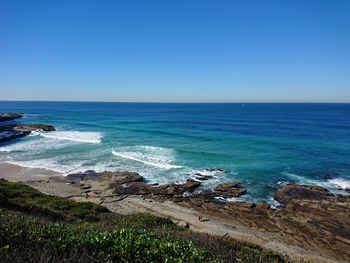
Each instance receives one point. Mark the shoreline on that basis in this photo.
(13, 172)
(50, 182)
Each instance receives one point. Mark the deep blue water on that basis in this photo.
(261, 145)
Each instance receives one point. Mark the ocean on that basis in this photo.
(261, 145)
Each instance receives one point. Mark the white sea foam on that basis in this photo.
(336, 185)
(36, 145)
(76, 136)
(300, 179)
(340, 183)
(150, 155)
(205, 172)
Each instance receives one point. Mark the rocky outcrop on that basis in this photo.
(310, 216)
(15, 131)
(230, 189)
(33, 127)
(11, 135)
(207, 174)
(170, 191)
(220, 193)
(294, 191)
(8, 116)
(175, 189)
(105, 179)
(128, 183)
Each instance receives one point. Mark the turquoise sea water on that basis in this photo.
(261, 145)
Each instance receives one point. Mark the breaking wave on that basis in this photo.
(76, 136)
(340, 183)
(150, 155)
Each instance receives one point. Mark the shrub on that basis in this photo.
(118, 245)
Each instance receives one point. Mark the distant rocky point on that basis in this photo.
(128, 183)
(15, 131)
(9, 116)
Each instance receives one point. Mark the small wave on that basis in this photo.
(340, 183)
(207, 172)
(300, 179)
(335, 185)
(76, 136)
(150, 155)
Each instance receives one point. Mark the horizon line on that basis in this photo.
(185, 102)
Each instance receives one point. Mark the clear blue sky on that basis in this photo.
(210, 51)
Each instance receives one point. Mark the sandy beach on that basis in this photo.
(17, 173)
(53, 183)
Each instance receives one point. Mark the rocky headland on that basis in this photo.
(310, 221)
(13, 131)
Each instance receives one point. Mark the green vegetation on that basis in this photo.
(39, 228)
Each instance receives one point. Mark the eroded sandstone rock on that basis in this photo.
(230, 189)
(294, 191)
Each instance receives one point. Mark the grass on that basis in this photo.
(39, 228)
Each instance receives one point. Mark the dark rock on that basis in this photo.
(79, 177)
(111, 179)
(230, 189)
(125, 177)
(8, 135)
(175, 189)
(133, 185)
(8, 116)
(226, 186)
(203, 177)
(11, 132)
(190, 185)
(295, 191)
(215, 170)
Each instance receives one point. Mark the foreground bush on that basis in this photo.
(39, 228)
(119, 245)
(20, 197)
